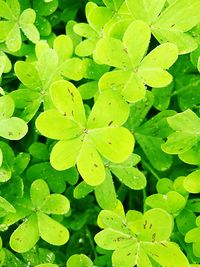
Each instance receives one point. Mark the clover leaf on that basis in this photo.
(5, 64)
(134, 69)
(12, 128)
(138, 238)
(187, 132)
(101, 133)
(80, 260)
(100, 22)
(37, 222)
(11, 23)
(52, 64)
(169, 24)
(169, 196)
(192, 236)
(128, 174)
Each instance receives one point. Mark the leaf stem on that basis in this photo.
(150, 169)
(88, 234)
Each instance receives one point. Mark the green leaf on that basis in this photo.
(46, 65)
(189, 118)
(158, 58)
(5, 173)
(5, 207)
(27, 17)
(178, 143)
(67, 100)
(162, 96)
(5, 11)
(187, 127)
(82, 190)
(110, 102)
(88, 90)
(155, 77)
(7, 107)
(130, 176)
(80, 260)
(39, 151)
(65, 153)
(172, 202)
(27, 74)
(169, 253)
(72, 69)
(45, 8)
(105, 191)
(63, 46)
(145, 10)
(191, 156)
(107, 141)
(192, 183)
(13, 39)
(153, 229)
(171, 28)
(111, 239)
(21, 162)
(13, 128)
(51, 231)
(39, 192)
(111, 51)
(55, 204)
(185, 221)
(90, 165)
(55, 125)
(186, 89)
(25, 236)
(137, 47)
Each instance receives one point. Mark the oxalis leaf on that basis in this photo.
(11, 128)
(169, 24)
(187, 131)
(100, 134)
(137, 238)
(136, 70)
(38, 223)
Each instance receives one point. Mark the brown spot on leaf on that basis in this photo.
(110, 123)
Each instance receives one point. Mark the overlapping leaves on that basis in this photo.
(169, 24)
(37, 222)
(13, 21)
(134, 69)
(52, 64)
(138, 238)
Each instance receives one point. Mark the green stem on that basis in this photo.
(144, 198)
(150, 169)
(88, 234)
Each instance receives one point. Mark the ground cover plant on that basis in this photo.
(99, 133)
